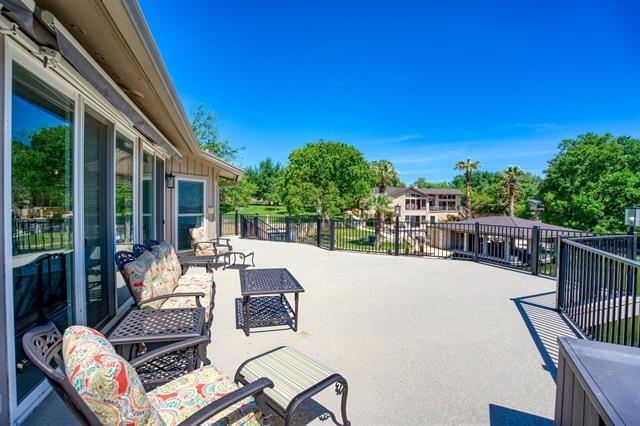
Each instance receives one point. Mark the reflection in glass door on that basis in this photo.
(41, 213)
(124, 205)
(97, 226)
(190, 210)
(148, 197)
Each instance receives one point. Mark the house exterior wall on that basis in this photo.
(443, 206)
(413, 207)
(18, 48)
(191, 167)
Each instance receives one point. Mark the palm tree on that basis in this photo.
(381, 205)
(468, 167)
(510, 177)
(384, 173)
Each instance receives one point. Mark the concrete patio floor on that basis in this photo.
(421, 341)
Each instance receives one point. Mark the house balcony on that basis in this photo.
(407, 332)
(443, 209)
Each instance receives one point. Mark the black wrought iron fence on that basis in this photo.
(528, 249)
(598, 289)
(229, 224)
(29, 235)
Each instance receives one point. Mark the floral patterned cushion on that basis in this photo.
(182, 397)
(105, 381)
(197, 235)
(166, 255)
(144, 275)
(80, 342)
(188, 302)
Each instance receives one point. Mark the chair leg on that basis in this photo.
(342, 388)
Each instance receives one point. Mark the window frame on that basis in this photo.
(175, 207)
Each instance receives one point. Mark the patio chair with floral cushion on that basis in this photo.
(155, 281)
(205, 246)
(101, 388)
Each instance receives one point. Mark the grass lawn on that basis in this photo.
(261, 209)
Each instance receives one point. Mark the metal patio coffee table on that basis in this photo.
(172, 326)
(263, 298)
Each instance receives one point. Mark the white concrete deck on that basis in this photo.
(421, 341)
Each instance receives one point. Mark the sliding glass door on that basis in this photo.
(100, 295)
(42, 134)
(190, 210)
(124, 205)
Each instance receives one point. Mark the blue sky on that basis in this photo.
(423, 84)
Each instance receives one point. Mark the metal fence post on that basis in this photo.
(255, 226)
(287, 229)
(332, 234)
(219, 223)
(535, 245)
(560, 272)
(318, 230)
(243, 227)
(235, 223)
(396, 237)
(476, 241)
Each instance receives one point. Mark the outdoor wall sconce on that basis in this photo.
(397, 210)
(632, 217)
(319, 210)
(171, 180)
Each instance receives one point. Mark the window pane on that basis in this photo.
(184, 224)
(124, 206)
(191, 197)
(124, 191)
(97, 226)
(148, 202)
(42, 212)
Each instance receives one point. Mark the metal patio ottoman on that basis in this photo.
(296, 378)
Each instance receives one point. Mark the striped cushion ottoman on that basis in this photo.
(296, 378)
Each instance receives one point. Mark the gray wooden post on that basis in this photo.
(535, 246)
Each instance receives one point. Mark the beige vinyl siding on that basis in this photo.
(191, 166)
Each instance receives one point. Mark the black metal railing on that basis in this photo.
(597, 287)
(31, 235)
(532, 250)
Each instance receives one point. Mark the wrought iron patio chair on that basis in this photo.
(197, 290)
(43, 345)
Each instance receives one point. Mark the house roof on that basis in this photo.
(395, 192)
(441, 191)
(117, 37)
(515, 221)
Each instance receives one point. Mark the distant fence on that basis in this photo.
(598, 285)
(30, 235)
(532, 250)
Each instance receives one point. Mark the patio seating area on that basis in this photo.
(420, 341)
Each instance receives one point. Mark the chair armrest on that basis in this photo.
(197, 295)
(157, 353)
(252, 389)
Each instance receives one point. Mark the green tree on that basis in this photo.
(332, 175)
(510, 177)
(468, 167)
(590, 182)
(239, 195)
(385, 175)
(39, 169)
(424, 183)
(381, 205)
(204, 124)
(266, 177)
